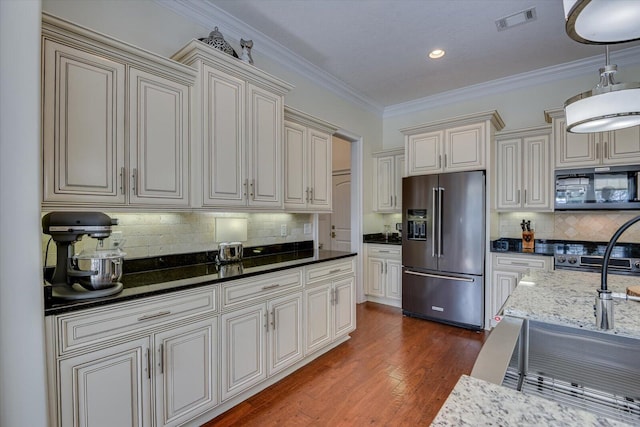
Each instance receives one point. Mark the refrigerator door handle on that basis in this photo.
(437, 276)
(433, 221)
(440, 196)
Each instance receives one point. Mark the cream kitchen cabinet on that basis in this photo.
(115, 365)
(384, 274)
(92, 154)
(524, 170)
(453, 145)
(593, 149)
(238, 129)
(307, 162)
(507, 270)
(259, 341)
(329, 304)
(389, 170)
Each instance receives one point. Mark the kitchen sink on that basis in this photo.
(594, 371)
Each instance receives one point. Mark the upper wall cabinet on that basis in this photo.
(389, 169)
(592, 149)
(115, 122)
(237, 131)
(307, 162)
(524, 170)
(452, 145)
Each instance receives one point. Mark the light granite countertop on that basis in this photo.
(475, 402)
(560, 297)
(566, 298)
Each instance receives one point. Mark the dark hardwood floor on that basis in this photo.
(395, 370)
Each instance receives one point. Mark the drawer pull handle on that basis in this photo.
(524, 264)
(153, 316)
(337, 270)
(383, 252)
(265, 288)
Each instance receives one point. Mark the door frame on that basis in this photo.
(357, 195)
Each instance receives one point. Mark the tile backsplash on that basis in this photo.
(590, 226)
(154, 234)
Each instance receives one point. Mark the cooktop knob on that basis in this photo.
(561, 258)
(636, 264)
(573, 260)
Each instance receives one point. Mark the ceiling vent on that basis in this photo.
(518, 18)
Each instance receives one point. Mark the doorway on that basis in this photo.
(334, 229)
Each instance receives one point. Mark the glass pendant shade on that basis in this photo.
(602, 21)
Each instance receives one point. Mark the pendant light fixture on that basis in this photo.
(608, 106)
(602, 21)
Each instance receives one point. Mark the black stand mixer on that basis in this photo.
(68, 280)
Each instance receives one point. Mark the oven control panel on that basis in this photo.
(594, 263)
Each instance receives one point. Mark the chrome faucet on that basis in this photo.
(604, 300)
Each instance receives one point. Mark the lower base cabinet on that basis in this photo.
(258, 341)
(384, 274)
(329, 313)
(112, 387)
(181, 359)
(507, 270)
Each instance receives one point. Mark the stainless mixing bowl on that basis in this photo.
(105, 265)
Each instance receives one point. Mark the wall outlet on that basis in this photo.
(283, 230)
(307, 228)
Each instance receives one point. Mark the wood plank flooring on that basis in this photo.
(394, 371)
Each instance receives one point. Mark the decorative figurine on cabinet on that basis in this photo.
(245, 56)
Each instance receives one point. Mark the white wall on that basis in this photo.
(22, 368)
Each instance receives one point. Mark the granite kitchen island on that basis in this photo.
(563, 298)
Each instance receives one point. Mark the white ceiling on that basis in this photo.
(378, 48)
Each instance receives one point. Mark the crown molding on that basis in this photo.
(626, 57)
(210, 16)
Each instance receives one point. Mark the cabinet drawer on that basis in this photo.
(249, 290)
(522, 263)
(328, 270)
(92, 326)
(384, 251)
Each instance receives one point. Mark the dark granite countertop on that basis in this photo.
(574, 247)
(394, 239)
(141, 284)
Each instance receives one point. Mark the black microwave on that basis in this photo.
(613, 187)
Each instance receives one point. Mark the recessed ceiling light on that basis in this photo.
(436, 54)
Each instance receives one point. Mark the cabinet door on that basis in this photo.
(509, 174)
(424, 153)
(264, 137)
(83, 147)
(385, 183)
(464, 148)
(107, 387)
(536, 173)
(375, 277)
(243, 349)
(223, 139)
(285, 338)
(394, 280)
(622, 146)
(318, 322)
(574, 149)
(296, 190)
(186, 372)
(344, 313)
(158, 140)
(320, 173)
(503, 283)
(399, 174)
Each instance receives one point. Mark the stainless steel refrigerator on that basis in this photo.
(443, 247)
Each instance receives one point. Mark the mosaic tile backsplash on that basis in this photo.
(151, 234)
(592, 226)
